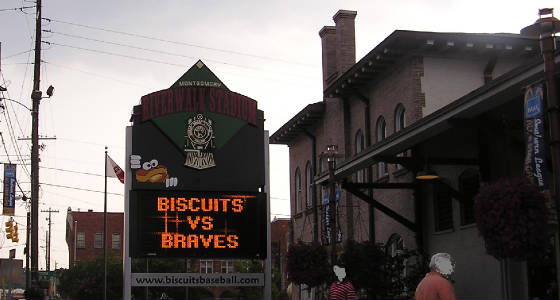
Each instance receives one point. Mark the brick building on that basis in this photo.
(451, 102)
(279, 234)
(84, 234)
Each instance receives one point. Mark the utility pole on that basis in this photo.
(27, 268)
(36, 99)
(49, 237)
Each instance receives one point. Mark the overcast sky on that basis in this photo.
(102, 56)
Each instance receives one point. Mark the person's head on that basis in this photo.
(339, 271)
(442, 263)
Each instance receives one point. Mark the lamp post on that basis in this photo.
(545, 28)
(332, 151)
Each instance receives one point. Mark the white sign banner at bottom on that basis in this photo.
(197, 279)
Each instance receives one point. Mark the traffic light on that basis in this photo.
(15, 237)
(10, 229)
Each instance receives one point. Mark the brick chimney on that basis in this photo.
(345, 40)
(338, 46)
(328, 47)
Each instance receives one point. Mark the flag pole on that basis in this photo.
(105, 233)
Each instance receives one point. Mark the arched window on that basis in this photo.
(400, 119)
(297, 191)
(359, 147)
(395, 245)
(400, 124)
(308, 185)
(381, 135)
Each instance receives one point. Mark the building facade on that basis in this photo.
(450, 102)
(84, 235)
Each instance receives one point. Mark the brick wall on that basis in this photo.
(91, 223)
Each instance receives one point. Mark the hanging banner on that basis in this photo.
(9, 189)
(327, 218)
(535, 155)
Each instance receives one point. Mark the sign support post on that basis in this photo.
(127, 293)
(268, 263)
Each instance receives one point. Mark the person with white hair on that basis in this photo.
(435, 284)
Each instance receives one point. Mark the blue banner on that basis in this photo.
(535, 154)
(327, 218)
(9, 189)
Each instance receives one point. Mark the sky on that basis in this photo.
(102, 56)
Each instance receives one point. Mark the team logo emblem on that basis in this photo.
(199, 143)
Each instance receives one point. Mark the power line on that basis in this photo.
(79, 189)
(179, 43)
(93, 74)
(71, 171)
(150, 60)
(145, 49)
(115, 54)
(16, 54)
(4, 144)
(17, 8)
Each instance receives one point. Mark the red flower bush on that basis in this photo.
(512, 218)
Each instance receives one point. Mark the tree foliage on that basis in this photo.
(84, 280)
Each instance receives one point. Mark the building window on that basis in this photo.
(308, 185)
(322, 164)
(297, 191)
(443, 208)
(381, 135)
(206, 266)
(116, 241)
(98, 241)
(469, 183)
(400, 119)
(359, 147)
(81, 240)
(400, 124)
(227, 266)
(395, 245)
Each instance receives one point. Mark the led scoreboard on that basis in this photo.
(195, 172)
(198, 224)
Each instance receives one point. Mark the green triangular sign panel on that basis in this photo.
(174, 127)
(199, 75)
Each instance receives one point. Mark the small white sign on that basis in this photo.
(197, 279)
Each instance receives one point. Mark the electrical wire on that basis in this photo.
(4, 144)
(79, 189)
(17, 8)
(178, 42)
(16, 54)
(146, 49)
(94, 74)
(71, 171)
(114, 54)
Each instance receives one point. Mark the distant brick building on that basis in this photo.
(84, 234)
(279, 233)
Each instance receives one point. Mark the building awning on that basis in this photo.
(489, 96)
(403, 43)
(306, 118)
